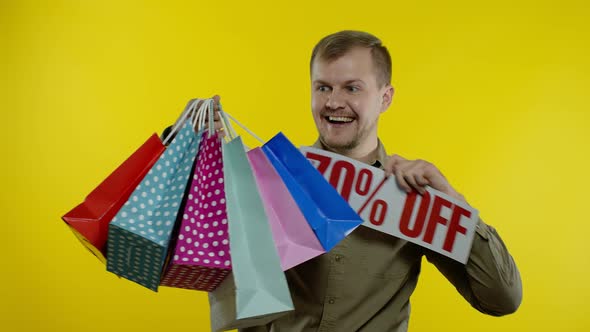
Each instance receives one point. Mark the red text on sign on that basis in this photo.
(435, 219)
(344, 178)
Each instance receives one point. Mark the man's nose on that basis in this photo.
(335, 100)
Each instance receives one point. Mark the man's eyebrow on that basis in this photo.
(354, 81)
(345, 82)
(320, 82)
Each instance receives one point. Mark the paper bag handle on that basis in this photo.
(188, 110)
(227, 125)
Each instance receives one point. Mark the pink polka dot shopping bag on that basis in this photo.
(201, 258)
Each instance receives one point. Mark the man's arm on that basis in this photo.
(490, 280)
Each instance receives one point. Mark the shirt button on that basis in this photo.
(337, 258)
(331, 301)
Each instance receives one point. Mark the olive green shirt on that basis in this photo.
(365, 282)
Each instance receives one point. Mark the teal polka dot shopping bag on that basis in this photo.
(140, 233)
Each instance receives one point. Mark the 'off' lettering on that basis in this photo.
(414, 231)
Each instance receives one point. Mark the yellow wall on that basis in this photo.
(495, 95)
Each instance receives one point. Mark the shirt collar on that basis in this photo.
(381, 153)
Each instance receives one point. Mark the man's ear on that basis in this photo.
(388, 92)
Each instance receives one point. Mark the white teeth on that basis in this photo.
(340, 119)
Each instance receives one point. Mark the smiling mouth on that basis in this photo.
(338, 119)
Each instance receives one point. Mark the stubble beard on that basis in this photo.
(345, 146)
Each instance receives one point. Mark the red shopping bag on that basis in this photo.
(90, 219)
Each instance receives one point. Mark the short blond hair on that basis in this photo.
(337, 44)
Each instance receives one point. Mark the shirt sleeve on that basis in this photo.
(490, 280)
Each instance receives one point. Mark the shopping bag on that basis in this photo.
(223, 309)
(140, 232)
(328, 214)
(90, 219)
(261, 284)
(256, 292)
(294, 239)
(201, 259)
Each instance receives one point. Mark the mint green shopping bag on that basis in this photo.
(257, 291)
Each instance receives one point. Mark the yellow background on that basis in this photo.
(495, 95)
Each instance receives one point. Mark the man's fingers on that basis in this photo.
(401, 181)
(216, 116)
(412, 179)
(216, 108)
(408, 173)
(216, 100)
(393, 163)
(421, 180)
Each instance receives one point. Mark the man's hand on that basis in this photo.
(216, 116)
(417, 174)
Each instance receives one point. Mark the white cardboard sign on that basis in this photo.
(434, 220)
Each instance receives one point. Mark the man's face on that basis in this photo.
(346, 99)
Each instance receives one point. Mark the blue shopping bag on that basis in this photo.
(139, 235)
(328, 214)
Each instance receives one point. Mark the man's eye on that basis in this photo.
(323, 88)
(352, 88)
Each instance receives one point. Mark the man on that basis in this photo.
(365, 283)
